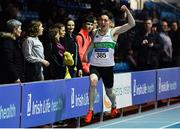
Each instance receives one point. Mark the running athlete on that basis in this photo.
(102, 59)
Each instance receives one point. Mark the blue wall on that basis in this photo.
(50, 101)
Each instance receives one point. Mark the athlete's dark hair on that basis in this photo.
(106, 12)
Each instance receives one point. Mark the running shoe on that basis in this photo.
(114, 112)
(89, 116)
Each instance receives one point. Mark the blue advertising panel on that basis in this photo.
(10, 106)
(42, 103)
(167, 83)
(143, 86)
(77, 97)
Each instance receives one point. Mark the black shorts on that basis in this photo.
(106, 73)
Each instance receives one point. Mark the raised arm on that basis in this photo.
(121, 29)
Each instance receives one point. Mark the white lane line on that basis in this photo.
(178, 122)
(141, 116)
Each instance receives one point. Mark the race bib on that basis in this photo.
(101, 53)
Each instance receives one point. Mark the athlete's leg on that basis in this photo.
(108, 79)
(92, 91)
(94, 76)
(112, 96)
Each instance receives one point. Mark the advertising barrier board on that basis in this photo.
(10, 102)
(167, 83)
(77, 97)
(43, 103)
(143, 86)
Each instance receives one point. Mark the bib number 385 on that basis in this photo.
(101, 55)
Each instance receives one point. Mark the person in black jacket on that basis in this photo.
(56, 53)
(11, 66)
(148, 46)
(71, 46)
(174, 34)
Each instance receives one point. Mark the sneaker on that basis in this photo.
(89, 116)
(114, 112)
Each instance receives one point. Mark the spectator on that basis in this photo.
(11, 57)
(154, 28)
(95, 26)
(57, 63)
(72, 47)
(148, 46)
(166, 55)
(174, 34)
(83, 39)
(57, 66)
(34, 53)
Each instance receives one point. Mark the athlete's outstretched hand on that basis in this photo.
(124, 8)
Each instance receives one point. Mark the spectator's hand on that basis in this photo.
(151, 44)
(75, 68)
(144, 42)
(17, 81)
(87, 71)
(45, 63)
(80, 73)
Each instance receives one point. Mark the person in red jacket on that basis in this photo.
(83, 40)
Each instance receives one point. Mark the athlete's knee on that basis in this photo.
(93, 79)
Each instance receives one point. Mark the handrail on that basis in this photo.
(170, 5)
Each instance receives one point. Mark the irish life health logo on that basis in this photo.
(79, 98)
(29, 105)
(72, 98)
